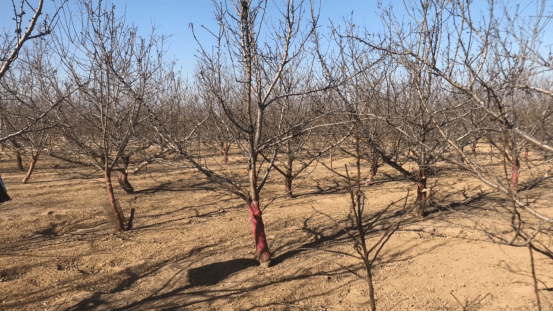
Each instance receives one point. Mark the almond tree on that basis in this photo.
(13, 40)
(241, 77)
(495, 76)
(103, 120)
(31, 87)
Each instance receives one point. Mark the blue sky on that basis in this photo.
(173, 17)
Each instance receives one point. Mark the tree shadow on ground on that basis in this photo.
(211, 274)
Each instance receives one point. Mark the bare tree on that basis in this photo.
(32, 87)
(119, 72)
(11, 44)
(242, 84)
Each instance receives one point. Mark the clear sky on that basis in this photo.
(173, 17)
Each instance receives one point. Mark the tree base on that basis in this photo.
(264, 264)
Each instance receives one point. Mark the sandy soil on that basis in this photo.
(191, 246)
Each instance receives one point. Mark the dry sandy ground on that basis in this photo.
(191, 247)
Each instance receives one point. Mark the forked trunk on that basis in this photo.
(421, 194)
(122, 178)
(123, 175)
(514, 175)
(31, 168)
(117, 216)
(261, 246)
(19, 161)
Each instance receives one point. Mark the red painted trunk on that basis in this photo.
(225, 156)
(31, 168)
(369, 178)
(372, 173)
(514, 176)
(288, 186)
(421, 194)
(224, 150)
(118, 217)
(263, 254)
(19, 161)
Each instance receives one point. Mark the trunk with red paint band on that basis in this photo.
(261, 246)
(372, 173)
(224, 150)
(421, 194)
(514, 175)
(118, 217)
(288, 187)
(31, 168)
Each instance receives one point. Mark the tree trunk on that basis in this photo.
(514, 175)
(330, 159)
(117, 216)
(224, 150)
(19, 161)
(288, 178)
(123, 176)
(372, 173)
(372, 304)
(421, 194)
(31, 168)
(225, 157)
(526, 154)
(261, 246)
